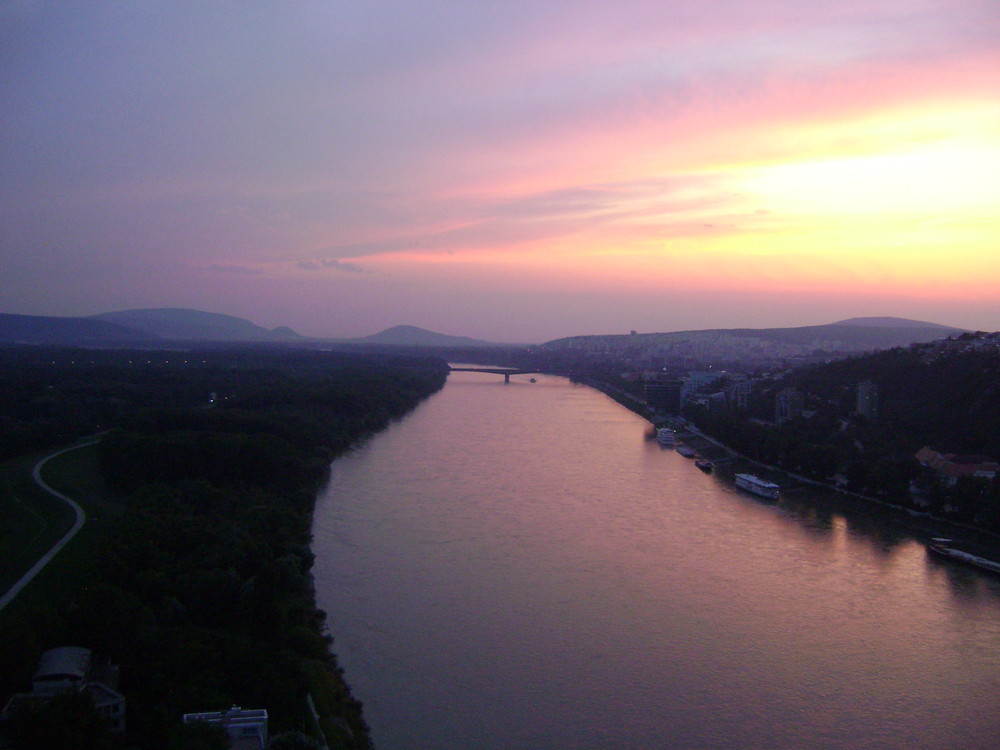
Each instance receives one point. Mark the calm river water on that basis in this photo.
(522, 566)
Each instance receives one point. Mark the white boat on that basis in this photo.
(943, 547)
(757, 486)
(666, 436)
(687, 451)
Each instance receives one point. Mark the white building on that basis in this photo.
(246, 728)
(867, 399)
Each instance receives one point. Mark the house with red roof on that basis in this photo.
(950, 467)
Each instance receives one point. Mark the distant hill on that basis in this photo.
(771, 345)
(891, 323)
(172, 323)
(414, 336)
(135, 328)
(57, 331)
(853, 336)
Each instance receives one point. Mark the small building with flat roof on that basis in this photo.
(246, 728)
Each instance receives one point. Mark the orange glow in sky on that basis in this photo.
(651, 166)
(904, 201)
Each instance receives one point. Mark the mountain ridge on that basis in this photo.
(852, 328)
(57, 331)
(889, 322)
(179, 323)
(149, 326)
(770, 347)
(406, 335)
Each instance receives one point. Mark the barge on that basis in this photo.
(666, 436)
(942, 547)
(757, 486)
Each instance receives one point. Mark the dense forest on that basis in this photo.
(200, 585)
(945, 396)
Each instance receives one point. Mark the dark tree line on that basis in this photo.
(201, 587)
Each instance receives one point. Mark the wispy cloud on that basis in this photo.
(570, 142)
(331, 263)
(233, 268)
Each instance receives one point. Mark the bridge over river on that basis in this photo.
(505, 371)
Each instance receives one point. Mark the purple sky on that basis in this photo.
(512, 171)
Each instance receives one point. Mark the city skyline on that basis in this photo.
(514, 172)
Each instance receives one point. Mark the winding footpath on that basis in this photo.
(54, 550)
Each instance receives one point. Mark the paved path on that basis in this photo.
(77, 525)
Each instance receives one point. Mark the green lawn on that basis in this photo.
(22, 525)
(33, 520)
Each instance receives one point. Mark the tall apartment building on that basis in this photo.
(738, 393)
(788, 404)
(867, 399)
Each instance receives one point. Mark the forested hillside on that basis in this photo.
(200, 589)
(945, 395)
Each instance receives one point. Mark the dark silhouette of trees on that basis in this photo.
(68, 721)
(201, 590)
(935, 395)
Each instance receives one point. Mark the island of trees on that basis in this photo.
(195, 576)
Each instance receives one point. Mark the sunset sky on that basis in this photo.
(506, 170)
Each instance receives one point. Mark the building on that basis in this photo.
(788, 404)
(738, 393)
(61, 670)
(697, 382)
(715, 401)
(867, 400)
(950, 467)
(74, 669)
(663, 396)
(246, 728)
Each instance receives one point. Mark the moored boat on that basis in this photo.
(757, 486)
(687, 451)
(941, 546)
(704, 464)
(666, 436)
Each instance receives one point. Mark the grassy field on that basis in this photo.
(33, 520)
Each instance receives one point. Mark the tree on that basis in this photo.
(293, 741)
(68, 721)
(199, 735)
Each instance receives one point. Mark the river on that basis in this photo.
(523, 566)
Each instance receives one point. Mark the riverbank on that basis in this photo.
(923, 525)
(195, 577)
(531, 551)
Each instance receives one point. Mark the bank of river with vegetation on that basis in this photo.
(197, 578)
(728, 460)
